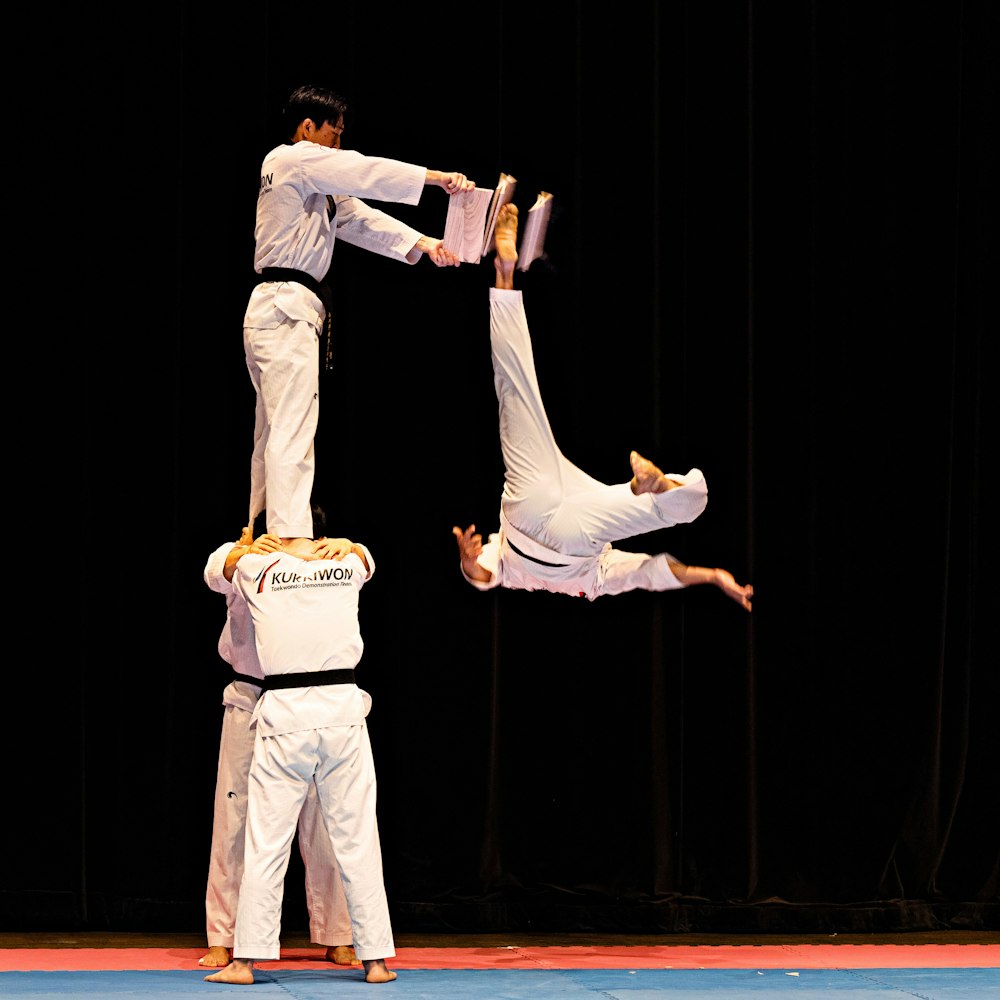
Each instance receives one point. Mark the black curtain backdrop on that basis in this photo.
(769, 258)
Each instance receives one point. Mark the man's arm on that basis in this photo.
(265, 543)
(691, 576)
(365, 556)
(372, 229)
(218, 571)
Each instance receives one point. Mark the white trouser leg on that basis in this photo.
(284, 367)
(545, 495)
(345, 781)
(329, 919)
(280, 775)
(225, 867)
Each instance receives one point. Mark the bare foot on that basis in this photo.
(376, 972)
(647, 478)
(342, 954)
(505, 235)
(239, 972)
(217, 957)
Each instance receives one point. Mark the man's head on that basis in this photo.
(316, 114)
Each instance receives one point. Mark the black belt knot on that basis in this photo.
(320, 289)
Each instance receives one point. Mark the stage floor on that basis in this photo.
(947, 966)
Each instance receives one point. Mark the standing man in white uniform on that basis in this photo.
(329, 921)
(556, 522)
(311, 732)
(310, 191)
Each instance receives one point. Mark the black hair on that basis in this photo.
(317, 103)
(319, 521)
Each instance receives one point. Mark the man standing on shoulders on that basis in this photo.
(310, 197)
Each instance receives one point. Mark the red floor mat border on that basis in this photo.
(786, 956)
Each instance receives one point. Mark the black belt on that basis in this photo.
(307, 679)
(293, 274)
(247, 679)
(319, 288)
(541, 562)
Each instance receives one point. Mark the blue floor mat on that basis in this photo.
(524, 984)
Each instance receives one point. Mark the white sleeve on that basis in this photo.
(370, 560)
(685, 502)
(248, 567)
(346, 171)
(372, 229)
(213, 574)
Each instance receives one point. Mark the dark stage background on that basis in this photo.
(768, 258)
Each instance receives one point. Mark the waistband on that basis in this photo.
(293, 274)
(526, 547)
(541, 562)
(247, 679)
(307, 679)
